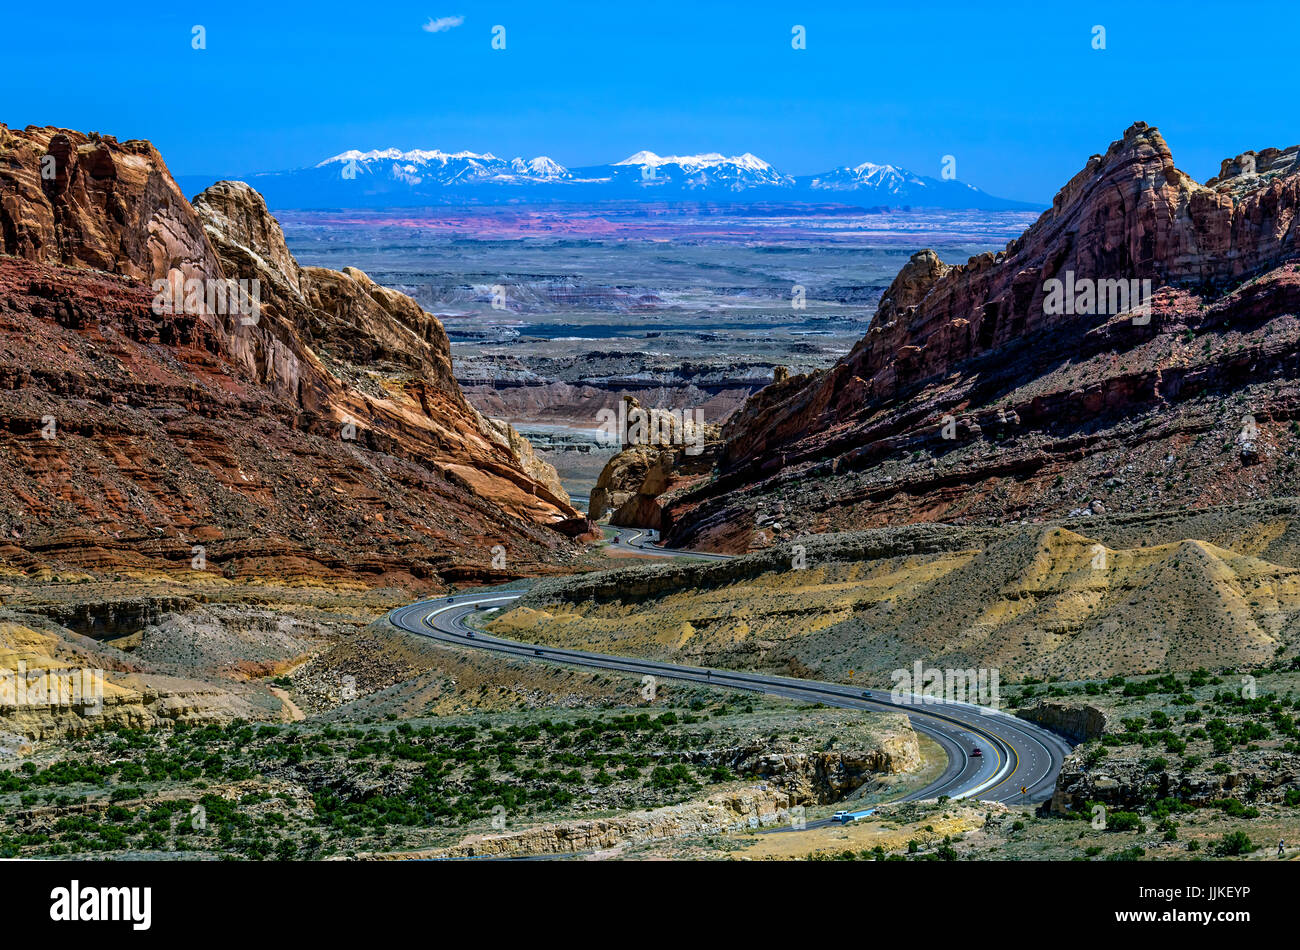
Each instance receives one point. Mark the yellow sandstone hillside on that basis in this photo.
(1032, 601)
(49, 689)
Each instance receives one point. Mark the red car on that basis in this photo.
(976, 753)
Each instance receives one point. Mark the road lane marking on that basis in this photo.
(759, 684)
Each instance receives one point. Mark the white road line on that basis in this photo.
(1002, 743)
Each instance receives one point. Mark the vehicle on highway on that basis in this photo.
(866, 694)
(848, 816)
(451, 600)
(538, 652)
(469, 633)
(976, 753)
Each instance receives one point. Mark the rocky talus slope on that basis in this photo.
(318, 434)
(972, 399)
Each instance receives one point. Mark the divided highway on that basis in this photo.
(641, 542)
(1014, 753)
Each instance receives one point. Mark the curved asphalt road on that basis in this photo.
(637, 541)
(1016, 753)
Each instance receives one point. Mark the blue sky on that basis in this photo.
(1014, 91)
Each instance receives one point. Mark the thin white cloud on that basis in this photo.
(442, 24)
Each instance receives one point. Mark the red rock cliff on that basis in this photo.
(320, 429)
(976, 341)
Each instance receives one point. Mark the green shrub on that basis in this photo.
(1123, 821)
(1131, 853)
(1236, 843)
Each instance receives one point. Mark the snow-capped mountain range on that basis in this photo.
(395, 178)
(696, 172)
(908, 187)
(419, 167)
(886, 178)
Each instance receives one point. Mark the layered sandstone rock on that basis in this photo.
(540, 471)
(671, 455)
(53, 688)
(632, 486)
(970, 397)
(86, 200)
(1077, 721)
(621, 479)
(316, 428)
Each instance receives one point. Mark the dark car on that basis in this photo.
(976, 753)
(469, 633)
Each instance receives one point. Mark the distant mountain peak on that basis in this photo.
(887, 179)
(541, 167)
(418, 168)
(393, 177)
(868, 168)
(420, 156)
(707, 171)
(748, 161)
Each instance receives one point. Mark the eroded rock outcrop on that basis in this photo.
(1077, 721)
(148, 407)
(50, 689)
(540, 471)
(973, 397)
(673, 452)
